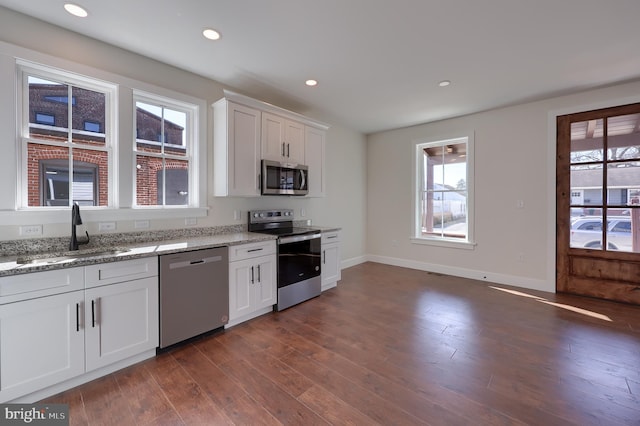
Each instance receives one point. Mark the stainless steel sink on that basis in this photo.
(67, 256)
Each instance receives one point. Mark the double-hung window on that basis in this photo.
(164, 151)
(61, 161)
(443, 208)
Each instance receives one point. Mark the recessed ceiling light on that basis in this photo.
(311, 82)
(211, 34)
(75, 10)
(444, 83)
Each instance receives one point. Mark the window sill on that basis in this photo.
(443, 242)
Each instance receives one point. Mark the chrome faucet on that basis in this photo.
(76, 220)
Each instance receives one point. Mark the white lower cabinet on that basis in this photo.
(331, 272)
(121, 320)
(252, 281)
(47, 339)
(41, 343)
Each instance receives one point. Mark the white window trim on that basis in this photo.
(416, 238)
(24, 68)
(191, 144)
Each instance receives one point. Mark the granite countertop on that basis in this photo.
(44, 254)
(13, 265)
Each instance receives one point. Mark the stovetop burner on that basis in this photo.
(276, 222)
(283, 232)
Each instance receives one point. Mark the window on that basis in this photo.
(164, 151)
(92, 126)
(444, 192)
(46, 119)
(57, 144)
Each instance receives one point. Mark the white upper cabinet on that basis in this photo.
(314, 145)
(247, 131)
(282, 139)
(236, 150)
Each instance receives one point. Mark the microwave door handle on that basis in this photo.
(303, 180)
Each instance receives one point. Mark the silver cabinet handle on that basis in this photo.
(283, 149)
(288, 150)
(259, 280)
(252, 276)
(77, 317)
(93, 313)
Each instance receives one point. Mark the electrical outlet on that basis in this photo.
(31, 230)
(141, 224)
(237, 215)
(191, 221)
(303, 212)
(106, 226)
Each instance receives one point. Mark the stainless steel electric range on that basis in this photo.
(299, 255)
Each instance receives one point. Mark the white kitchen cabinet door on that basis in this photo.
(121, 320)
(331, 271)
(41, 343)
(314, 147)
(282, 139)
(294, 133)
(240, 289)
(265, 282)
(252, 288)
(236, 150)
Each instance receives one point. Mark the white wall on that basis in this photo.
(343, 207)
(514, 160)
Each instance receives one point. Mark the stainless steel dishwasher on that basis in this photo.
(194, 293)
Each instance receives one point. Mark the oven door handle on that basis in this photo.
(298, 238)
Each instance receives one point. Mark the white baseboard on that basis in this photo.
(504, 279)
(353, 262)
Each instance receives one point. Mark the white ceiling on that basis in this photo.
(378, 62)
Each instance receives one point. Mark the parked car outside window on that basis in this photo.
(586, 232)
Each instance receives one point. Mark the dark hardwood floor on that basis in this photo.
(392, 346)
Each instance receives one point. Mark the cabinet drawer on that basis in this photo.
(39, 284)
(330, 237)
(251, 250)
(127, 270)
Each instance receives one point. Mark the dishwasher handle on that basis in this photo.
(194, 262)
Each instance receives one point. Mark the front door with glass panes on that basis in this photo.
(598, 203)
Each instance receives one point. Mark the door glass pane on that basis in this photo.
(586, 141)
(586, 232)
(623, 229)
(586, 185)
(623, 181)
(623, 137)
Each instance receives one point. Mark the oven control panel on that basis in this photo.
(257, 216)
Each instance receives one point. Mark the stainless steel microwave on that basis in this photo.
(284, 178)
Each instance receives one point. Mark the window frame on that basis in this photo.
(191, 145)
(418, 147)
(26, 69)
